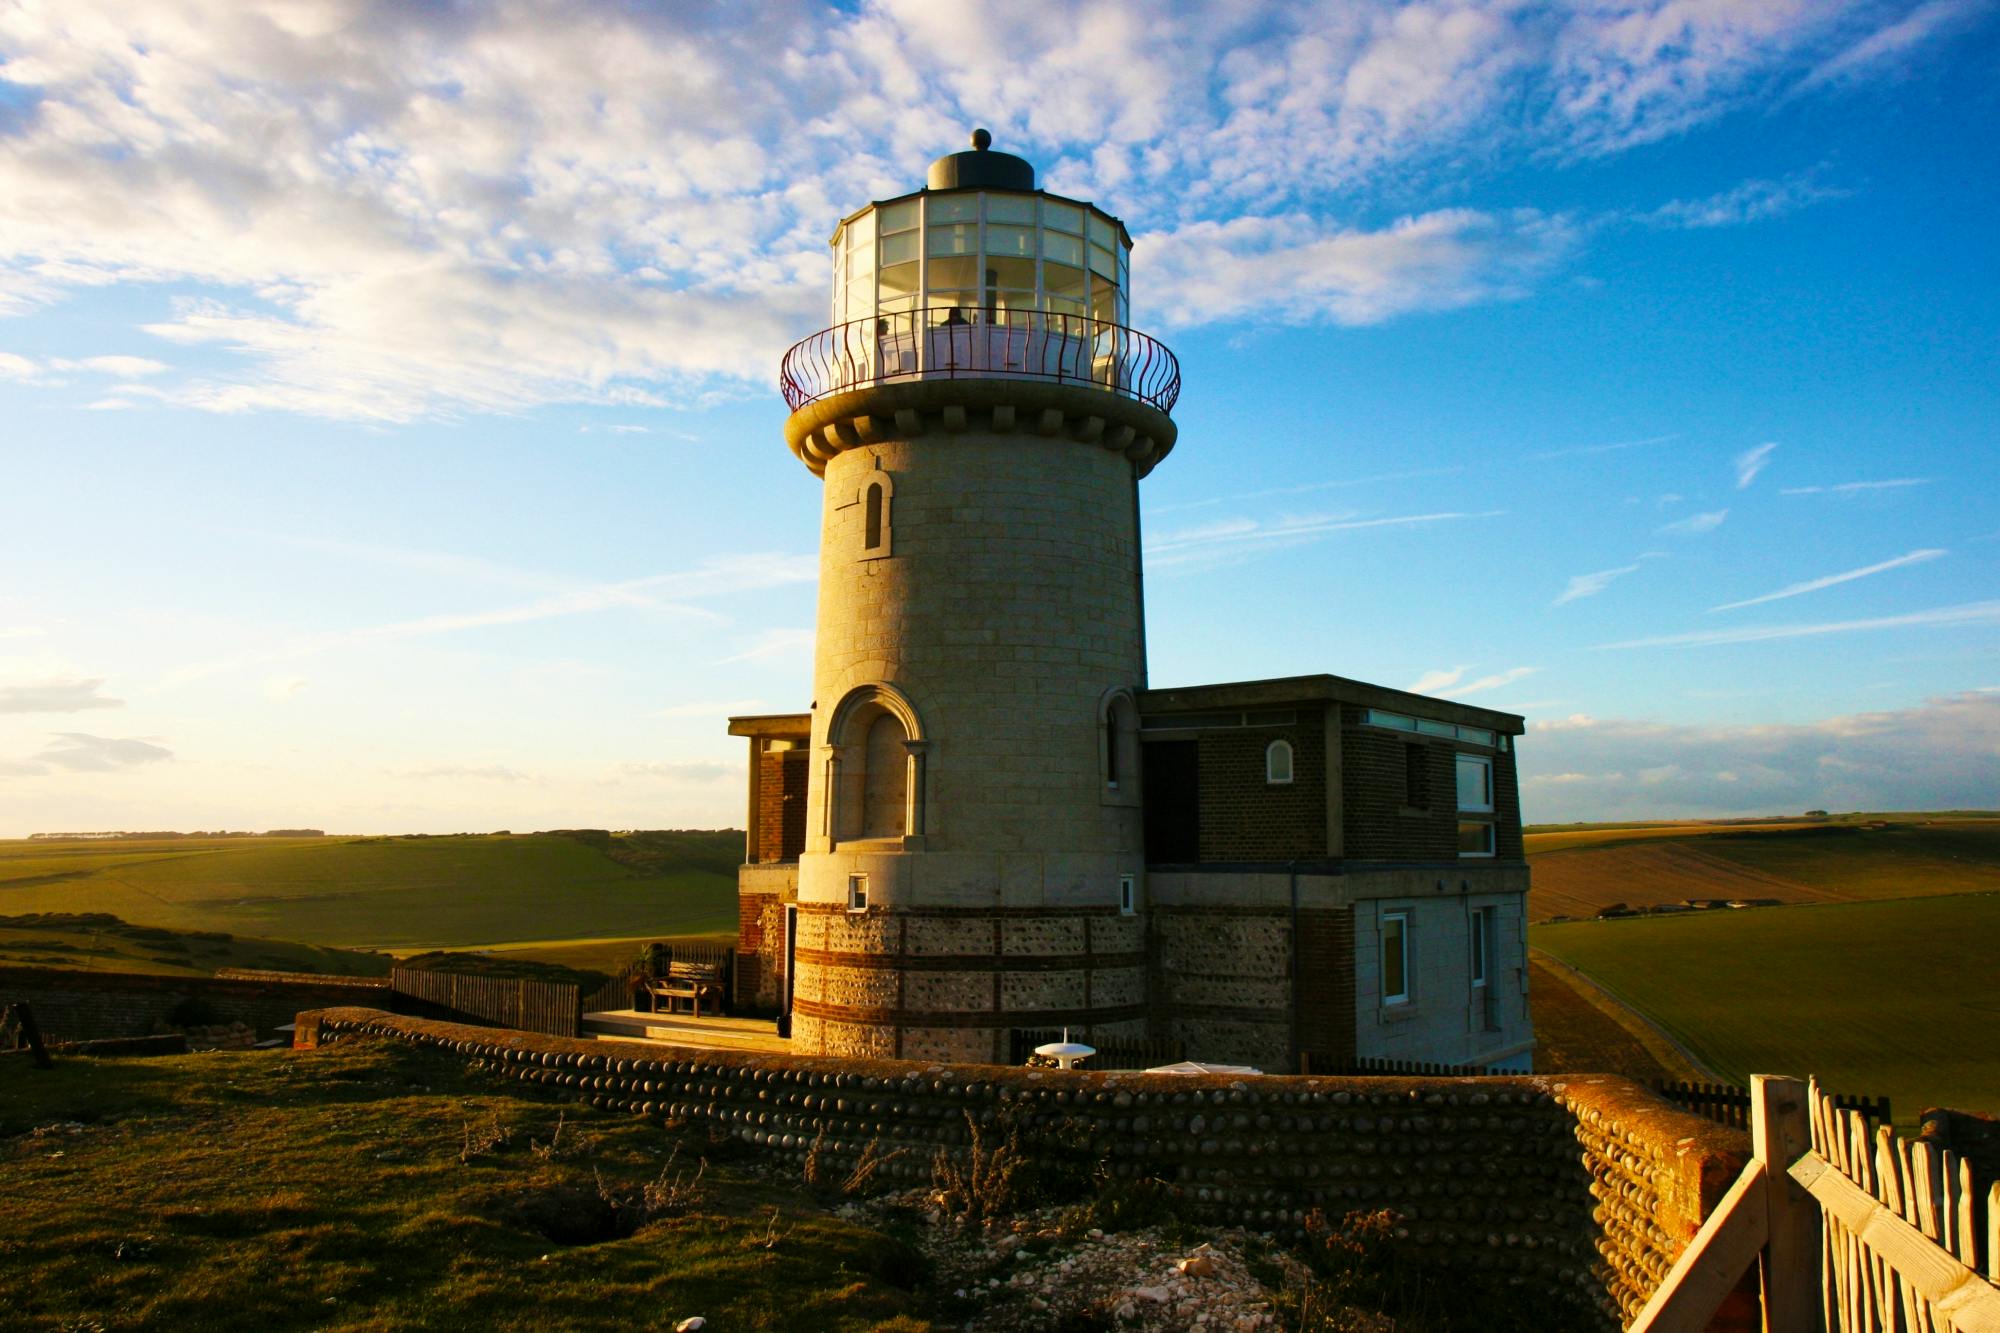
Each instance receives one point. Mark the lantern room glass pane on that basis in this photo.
(952, 208)
(1104, 302)
(899, 217)
(1061, 249)
(1018, 208)
(960, 238)
(1061, 282)
(953, 307)
(1100, 231)
(1002, 271)
(1009, 240)
(899, 248)
(861, 232)
(1102, 264)
(954, 273)
(1062, 217)
(898, 280)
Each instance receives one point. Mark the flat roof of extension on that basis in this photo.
(1323, 689)
(776, 726)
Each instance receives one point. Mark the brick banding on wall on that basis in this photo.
(1582, 1190)
(944, 962)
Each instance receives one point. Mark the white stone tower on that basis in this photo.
(981, 416)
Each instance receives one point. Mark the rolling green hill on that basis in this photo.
(1576, 873)
(392, 892)
(98, 941)
(1895, 996)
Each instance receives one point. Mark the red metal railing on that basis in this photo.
(953, 342)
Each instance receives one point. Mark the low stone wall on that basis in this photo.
(1581, 1190)
(84, 1006)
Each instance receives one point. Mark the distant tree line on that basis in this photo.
(157, 835)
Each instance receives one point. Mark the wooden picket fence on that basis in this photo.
(1851, 1230)
(1905, 1234)
(1727, 1104)
(532, 1006)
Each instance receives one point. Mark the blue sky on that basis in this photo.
(389, 434)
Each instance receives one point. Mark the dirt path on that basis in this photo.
(1675, 1059)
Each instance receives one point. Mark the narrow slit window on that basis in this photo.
(857, 893)
(1127, 895)
(1482, 943)
(872, 523)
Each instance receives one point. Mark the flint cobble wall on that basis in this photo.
(1581, 1190)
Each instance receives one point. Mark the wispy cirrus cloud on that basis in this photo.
(1856, 487)
(1695, 525)
(1830, 580)
(1589, 585)
(1585, 450)
(1750, 462)
(1750, 201)
(1235, 536)
(1969, 613)
(1893, 41)
(1443, 680)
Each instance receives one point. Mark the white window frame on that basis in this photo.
(1476, 809)
(857, 893)
(1401, 916)
(1128, 895)
(1271, 778)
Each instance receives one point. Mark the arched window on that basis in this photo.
(885, 781)
(1118, 747)
(1278, 763)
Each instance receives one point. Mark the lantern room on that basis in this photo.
(981, 245)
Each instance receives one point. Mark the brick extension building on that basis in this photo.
(987, 819)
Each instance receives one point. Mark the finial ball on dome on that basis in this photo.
(982, 140)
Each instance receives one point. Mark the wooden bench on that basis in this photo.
(692, 982)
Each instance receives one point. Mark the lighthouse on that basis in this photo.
(980, 414)
(989, 826)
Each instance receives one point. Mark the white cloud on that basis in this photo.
(1814, 585)
(467, 773)
(1942, 754)
(78, 752)
(1695, 525)
(56, 696)
(386, 212)
(773, 643)
(1431, 682)
(1855, 487)
(1750, 462)
(1751, 201)
(1970, 613)
(280, 688)
(21, 631)
(1495, 681)
(1892, 41)
(1574, 722)
(1229, 537)
(685, 772)
(1582, 450)
(1589, 585)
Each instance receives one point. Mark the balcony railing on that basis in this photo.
(955, 343)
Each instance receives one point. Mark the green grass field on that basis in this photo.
(1898, 997)
(389, 893)
(97, 942)
(334, 1190)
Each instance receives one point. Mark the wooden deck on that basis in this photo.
(718, 1033)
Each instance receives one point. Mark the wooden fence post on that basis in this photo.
(1781, 1132)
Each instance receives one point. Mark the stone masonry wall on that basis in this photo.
(1581, 1191)
(1245, 818)
(85, 1006)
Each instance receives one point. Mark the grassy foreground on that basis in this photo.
(405, 892)
(1895, 997)
(334, 1190)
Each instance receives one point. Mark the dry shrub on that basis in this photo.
(823, 1176)
(564, 1142)
(980, 1185)
(477, 1139)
